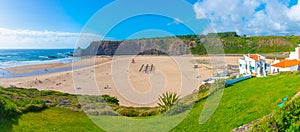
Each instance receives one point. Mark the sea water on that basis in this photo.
(21, 57)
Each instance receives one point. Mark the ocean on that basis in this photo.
(21, 57)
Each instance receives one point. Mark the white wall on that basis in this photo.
(250, 63)
(242, 66)
(294, 55)
(292, 68)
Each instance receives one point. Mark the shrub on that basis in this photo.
(128, 111)
(204, 86)
(46, 92)
(297, 72)
(167, 100)
(108, 113)
(284, 119)
(232, 77)
(286, 73)
(203, 93)
(7, 107)
(151, 112)
(34, 107)
(92, 112)
(178, 108)
(110, 100)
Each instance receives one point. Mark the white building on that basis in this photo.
(289, 64)
(285, 65)
(253, 64)
(295, 54)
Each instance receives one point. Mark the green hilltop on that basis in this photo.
(235, 44)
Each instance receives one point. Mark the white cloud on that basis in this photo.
(294, 13)
(241, 16)
(43, 39)
(197, 10)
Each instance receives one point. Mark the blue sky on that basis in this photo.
(59, 23)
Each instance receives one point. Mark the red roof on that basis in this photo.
(253, 56)
(287, 63)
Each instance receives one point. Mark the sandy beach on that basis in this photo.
(119, 77)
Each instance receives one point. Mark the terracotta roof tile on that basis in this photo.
(287, 63)
(253, 56)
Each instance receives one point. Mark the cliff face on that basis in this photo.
(134, 47)
(197, 44)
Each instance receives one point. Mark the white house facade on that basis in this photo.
(295, 54)
(285, 65)
(253, 64)
(289, 64)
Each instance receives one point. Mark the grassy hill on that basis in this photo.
(284, 119)
(241, 103)
(234, 44)
(49, 120)
(244, 102)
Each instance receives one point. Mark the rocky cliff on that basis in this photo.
(197, 44)
(171, 46)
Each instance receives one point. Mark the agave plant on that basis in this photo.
(167, 100)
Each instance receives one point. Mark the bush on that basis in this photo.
(286, 73)
(110, 100)
(108, 113)
(204, 86)
(203, 93)
(92, 112)
(177, 109)
(284, 119)
(150, 112)
(128, 111)
(297, 72)
(138, 111)
(8, 107)
(34, 107)
(232, 77)
(167, 100)
(46, 92)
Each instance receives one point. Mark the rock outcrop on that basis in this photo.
(170, 46)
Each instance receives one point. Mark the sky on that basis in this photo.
(39, 24)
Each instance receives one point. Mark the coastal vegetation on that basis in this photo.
(167, 100)
(231, 42)
(244, 102)
(234, 44)
(241, 104)
(283, 119)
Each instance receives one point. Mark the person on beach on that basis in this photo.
(35, 80)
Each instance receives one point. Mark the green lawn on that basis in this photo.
(244, 102)
(241, 103)
(53, 119)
